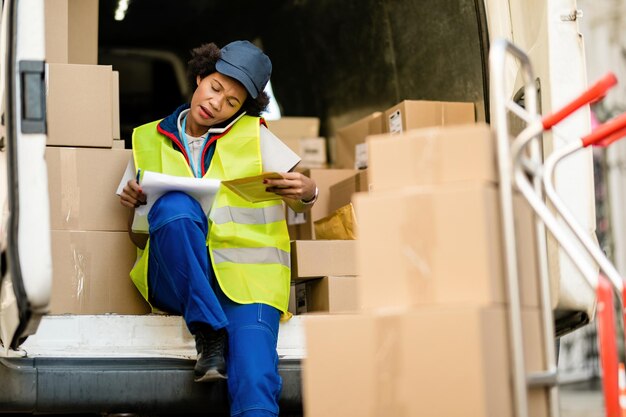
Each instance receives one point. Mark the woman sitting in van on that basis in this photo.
(227, 275)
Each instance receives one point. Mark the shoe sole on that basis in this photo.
(211, 375)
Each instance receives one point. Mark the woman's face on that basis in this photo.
(216, 99)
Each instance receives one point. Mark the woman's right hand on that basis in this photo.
(132, 196)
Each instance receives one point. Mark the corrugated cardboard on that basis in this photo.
(409, 364)
(119, 144)
(79, 107)
(353, 134)
(433, 245)
(90, 274)
(341, 193)
(320, 258)
(432, 156)
(71, 31)
(82, 184)
(332, 294)
(412, 114)
(115, 100)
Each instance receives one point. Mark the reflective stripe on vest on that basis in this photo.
(252, 256)
(248, 242)
(247, 215)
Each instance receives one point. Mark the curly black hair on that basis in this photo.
(202, 63)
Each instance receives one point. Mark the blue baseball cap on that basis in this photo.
(247, 64)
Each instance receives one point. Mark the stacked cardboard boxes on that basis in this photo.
(433, 324)
(327, 281)
(91, 251)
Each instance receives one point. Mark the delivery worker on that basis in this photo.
(228, 275)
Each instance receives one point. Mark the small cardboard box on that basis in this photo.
(413, 114)
(324, 179)
(334, 294)
(91, 274)
(439, 245)
(348, 137)
(432, 156)
(297, 298)
(321, 258)
(71, 31)
(403, 363)
(79, 107)
(291, 129)
(341, 193)
(313, 153)
(82, 184)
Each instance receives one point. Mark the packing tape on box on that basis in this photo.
(388, 363)
(429, 162)
(419, 244)
(79, 262)
(70, 191)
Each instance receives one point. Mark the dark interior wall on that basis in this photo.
(338, 60)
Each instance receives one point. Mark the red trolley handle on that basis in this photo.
(595, 92)
(611, 131)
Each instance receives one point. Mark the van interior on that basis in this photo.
(337, 61)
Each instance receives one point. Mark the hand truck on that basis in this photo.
(519, 159)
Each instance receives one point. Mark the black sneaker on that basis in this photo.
(211, 347)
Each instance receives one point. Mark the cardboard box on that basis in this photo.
(433, 245)
(313, 153)
(412, 114)
(119, 144)
(324, 179)
(432, 156)
(334, 294)
(71, 31)
(82, 184)
(341, 193)
(291, 129)
(91, 274)
(320, 258)
(408, 363)
(348, 137)
(297, 298)
(79, 107)
(115, 100)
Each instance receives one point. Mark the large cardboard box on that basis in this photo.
(91, 274)
(320, 258)
(79, 107)
(432, 156)
(436, 362)
(82, 184)
(71, 31)
(413, 114)
(348, 137)
(341, 193)
(334, 294)
(434, 245)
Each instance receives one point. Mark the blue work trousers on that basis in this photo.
(181, 281)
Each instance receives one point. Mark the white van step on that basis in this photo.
(153, 335)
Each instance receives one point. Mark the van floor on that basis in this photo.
(147, 336)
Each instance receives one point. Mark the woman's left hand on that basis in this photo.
(293, 185)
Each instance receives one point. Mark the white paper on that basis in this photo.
(395, 122)
(154, 185)
(360, 156)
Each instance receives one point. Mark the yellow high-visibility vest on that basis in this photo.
(248, 242)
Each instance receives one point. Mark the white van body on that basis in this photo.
(547, 30)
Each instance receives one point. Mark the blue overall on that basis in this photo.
(181, 281)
